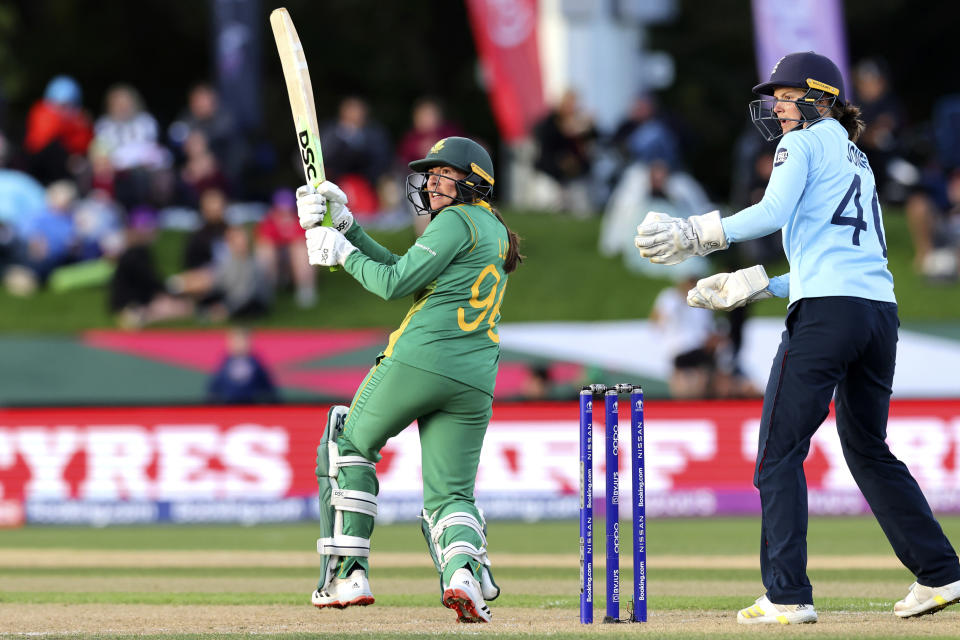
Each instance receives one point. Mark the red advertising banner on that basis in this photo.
(103, 465)
(505, 32)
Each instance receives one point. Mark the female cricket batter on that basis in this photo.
(439, 368)
(841, 335)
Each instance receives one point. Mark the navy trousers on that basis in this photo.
(847, 345)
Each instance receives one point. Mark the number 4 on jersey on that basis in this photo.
(857, 222)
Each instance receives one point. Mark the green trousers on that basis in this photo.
(452, 418)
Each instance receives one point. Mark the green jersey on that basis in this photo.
(455, 271)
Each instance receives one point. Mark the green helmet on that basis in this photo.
(462, 154)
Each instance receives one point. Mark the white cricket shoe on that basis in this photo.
(352, 591)
(922, 600)
(464, 596)
(765, 612)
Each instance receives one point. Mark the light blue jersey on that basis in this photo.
(823, 196)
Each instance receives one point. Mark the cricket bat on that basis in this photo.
(300, 91)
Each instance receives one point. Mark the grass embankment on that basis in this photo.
(563, 278)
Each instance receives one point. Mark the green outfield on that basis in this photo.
(176, 582)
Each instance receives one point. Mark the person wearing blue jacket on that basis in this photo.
(840, 339)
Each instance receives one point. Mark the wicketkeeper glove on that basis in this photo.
(667, 240)
(726, 291)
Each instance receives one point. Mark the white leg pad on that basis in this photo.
(357, 501)
(337, 461)
(341, 545)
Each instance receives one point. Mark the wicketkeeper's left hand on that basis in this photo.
(726, 291)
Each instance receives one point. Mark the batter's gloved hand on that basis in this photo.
(313, 204)
(726, 291)
(327, 247)
(666, 240)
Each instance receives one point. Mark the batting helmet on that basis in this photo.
(803, 70)
(462, 154)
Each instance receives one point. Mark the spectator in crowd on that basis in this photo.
(137, 294)
(235, 286)
(241, 378)
(884, 118)
(128, 134)
(243, 282)
(565, 140)
(644, 136)
(753, 164)
(58, 132)
(649, 187)
(47, 240)
(357, 155)
(539, 384)
(21, 197)
(102, 175)
(200, 171)
(206, 115)
(429, 125)
(281, 250)
(99, 226)
(933, 217)
(205, 246)
(691, 340)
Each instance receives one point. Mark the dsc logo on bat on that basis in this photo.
(307, 155)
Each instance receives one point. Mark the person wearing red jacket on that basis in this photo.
(58, 132)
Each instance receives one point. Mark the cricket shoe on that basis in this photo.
(352, 591)
(922, 600)
(463, 595)
(765, 612)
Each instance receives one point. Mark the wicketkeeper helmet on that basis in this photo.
(803, 70)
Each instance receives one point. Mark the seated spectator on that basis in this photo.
(137, 294)
(128, 134)
(691, 340)
(47, 240)
(205, 246)
(644, 188)
(102, 176)
(933, 218)
(564, 140)
(282, 251)
(241, 378)
(883, 116)
(357, 155)
(99, 227)
(429, 125)
(58, 132)
(21, 197)
(233, 287)
(206, 115)
(752, 166)
(200, 170)
(644, 136)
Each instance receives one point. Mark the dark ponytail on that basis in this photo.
(513, 259)
(848, 116)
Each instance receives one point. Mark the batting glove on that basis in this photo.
(666, 240)
(312, 204)
(327, 247)
(726, 291)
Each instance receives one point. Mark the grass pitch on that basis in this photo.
(235, 582)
